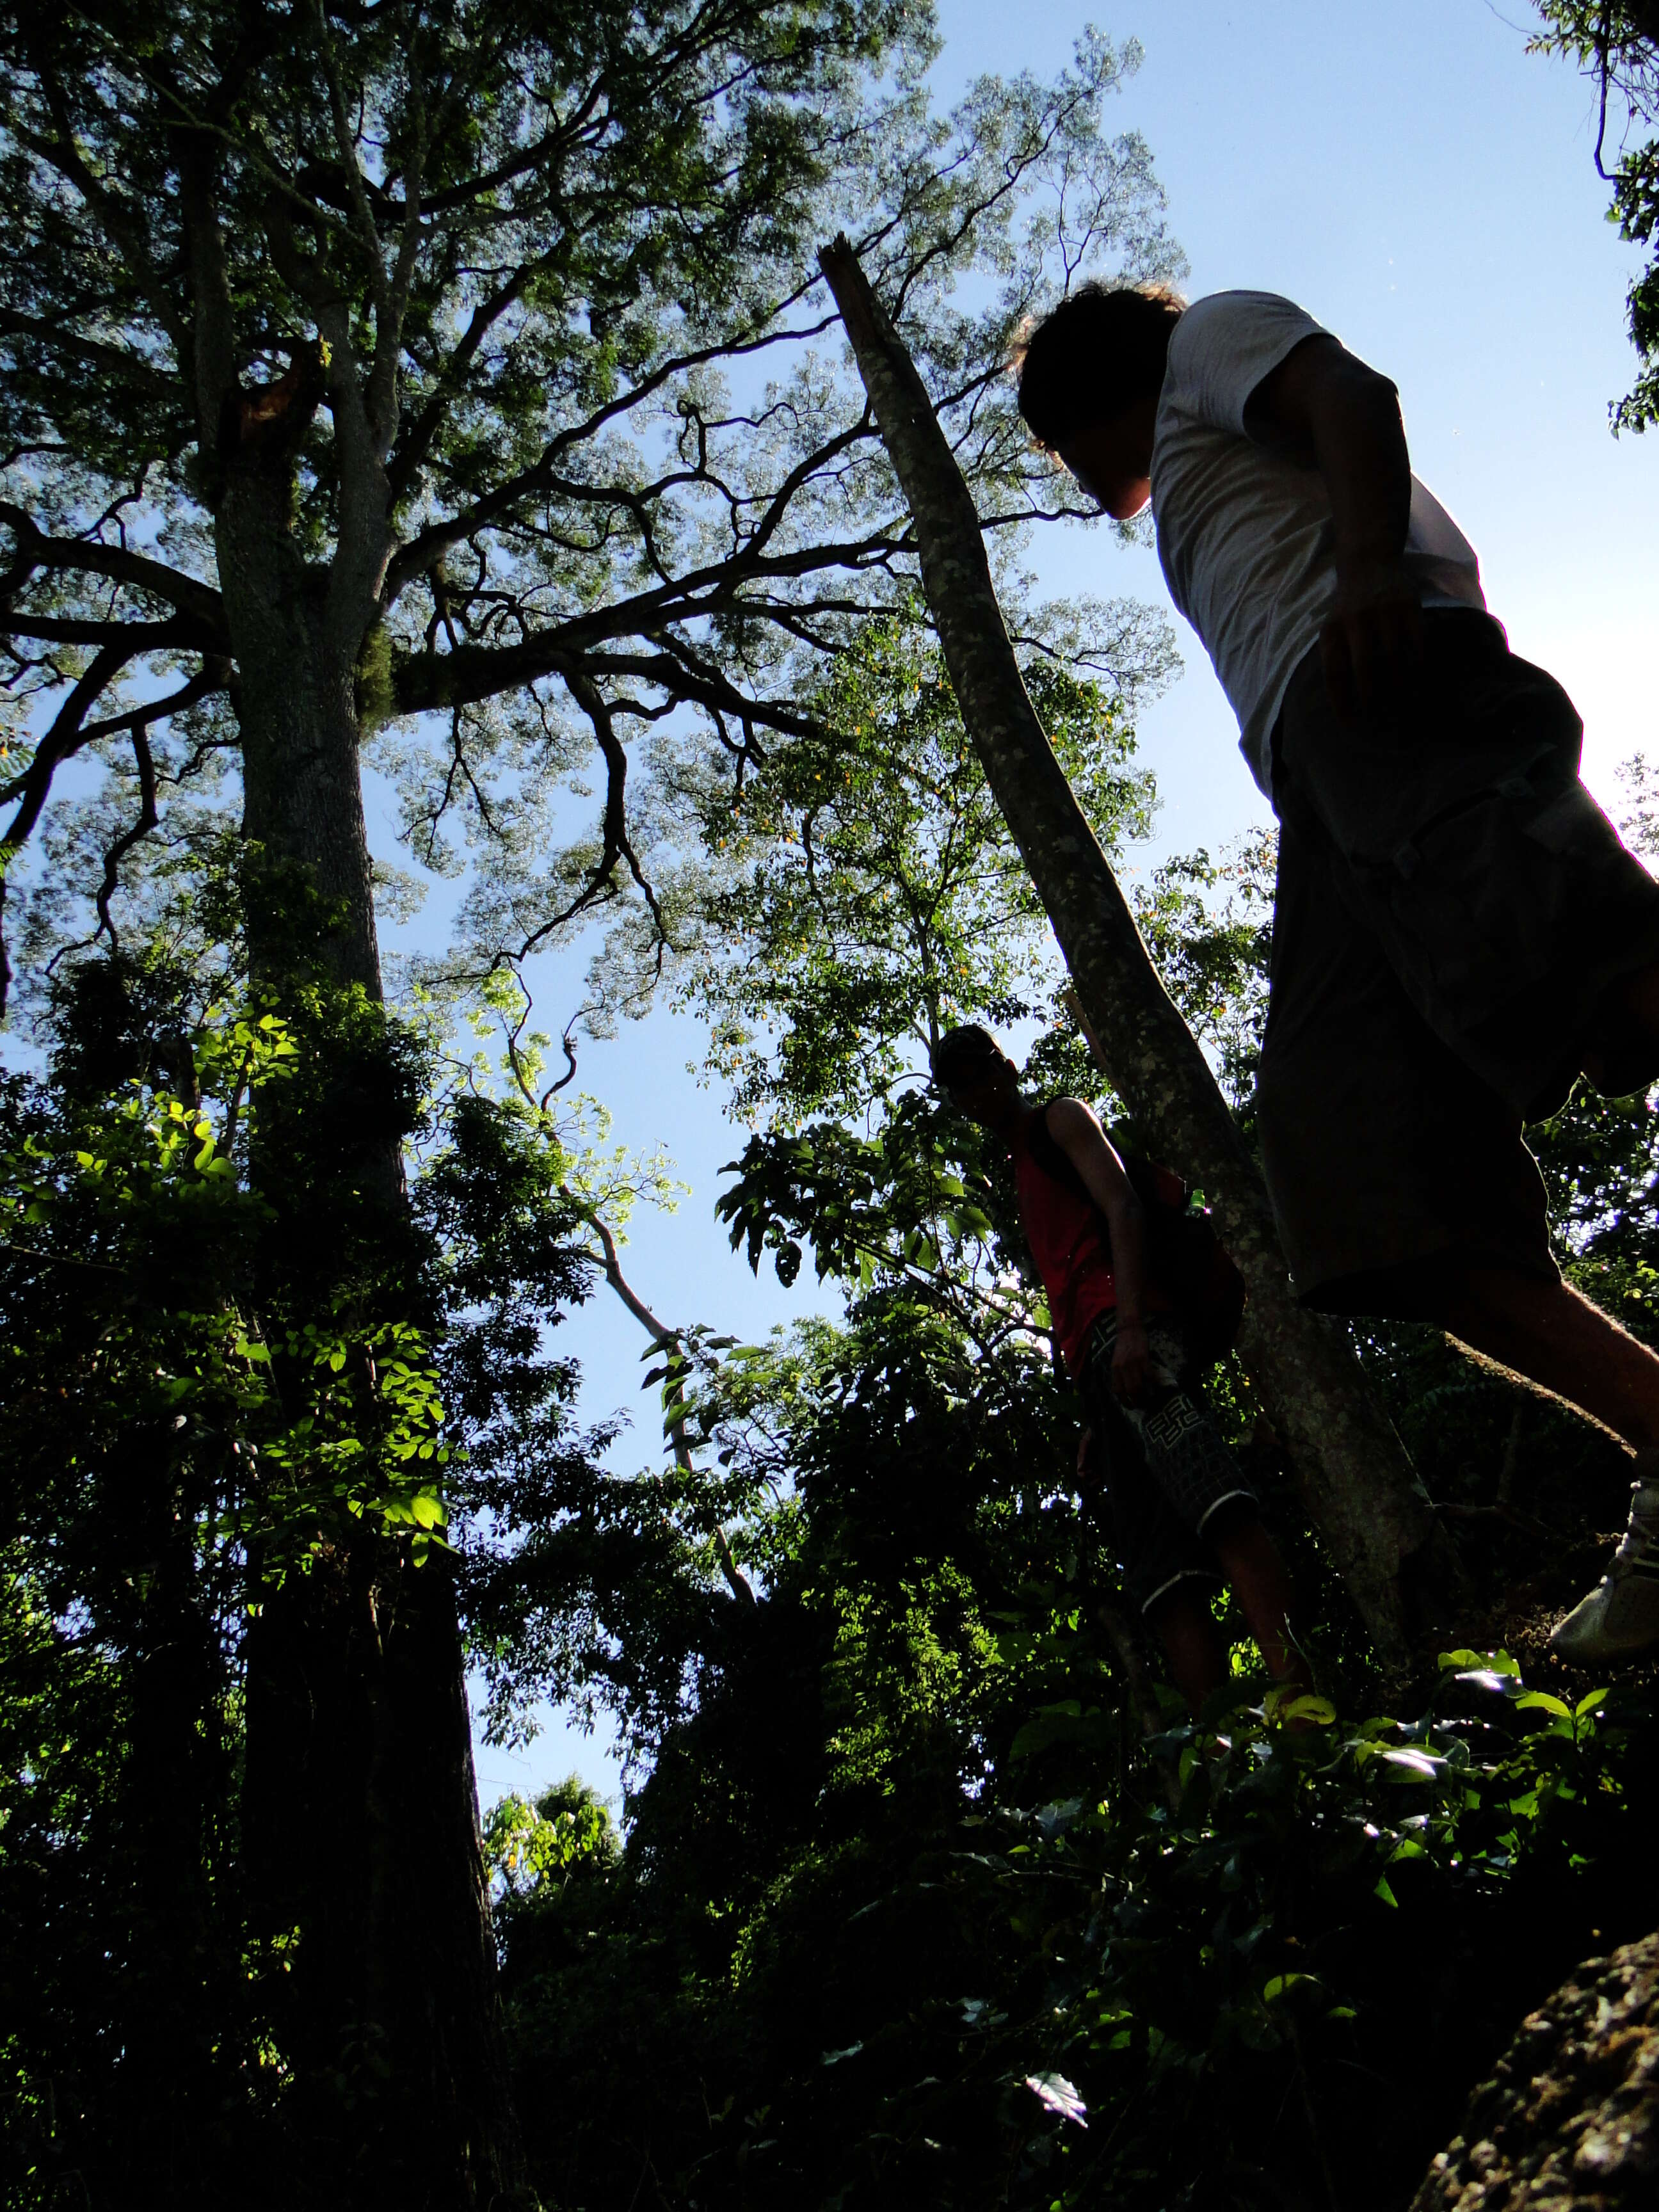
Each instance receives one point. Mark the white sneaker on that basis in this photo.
(1619, 1619)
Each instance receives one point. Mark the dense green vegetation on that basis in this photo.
(448, 388)
(906, 1895)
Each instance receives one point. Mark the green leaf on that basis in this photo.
(1058, 2094)
(1415, 1765)
(1386, 1894)
(1277, 1987)
(1304, 1707)
(1542, 1699)
(1491, 1662)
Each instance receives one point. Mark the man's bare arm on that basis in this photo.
(1327, 410)
(1076, 1129)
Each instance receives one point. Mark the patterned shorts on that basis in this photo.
(1165, 1465)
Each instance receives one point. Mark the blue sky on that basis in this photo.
(1425, 189)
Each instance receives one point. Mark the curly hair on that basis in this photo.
(1095, 353)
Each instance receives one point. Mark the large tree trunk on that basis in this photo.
(1356, 1480)
(1569, 2121)
(177, 2049)
(361, 1814)
(301, 781)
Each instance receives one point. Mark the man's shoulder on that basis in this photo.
(1240, 300)
(1222, 321)
(1066, 1114)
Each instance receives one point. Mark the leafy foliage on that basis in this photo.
(865, 891)
(908, 1899)
(1618, 46)
(507, 334)
(908, 1891)
(205, 1404)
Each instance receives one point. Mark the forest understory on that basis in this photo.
(454, 398)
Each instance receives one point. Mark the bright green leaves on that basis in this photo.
(528, 1848)
(362, 1442)
(154, 1150)
(1276, 1911)
(330, 1415)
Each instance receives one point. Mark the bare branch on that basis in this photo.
(215, 677)
(497, 506)
(201, 602)
(56, 746)
(147, 818)
(667, 1340)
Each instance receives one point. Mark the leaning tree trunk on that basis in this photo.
(1355, 1478)
(361, 1814)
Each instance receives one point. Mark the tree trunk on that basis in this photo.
(1570, 2120)
(301, 780)
(1356, 1481)
(177, 2048)
(361, 1813)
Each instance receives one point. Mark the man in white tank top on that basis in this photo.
(1458, 932)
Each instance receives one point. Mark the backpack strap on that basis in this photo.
(1183, 1259)
(1158, 1190)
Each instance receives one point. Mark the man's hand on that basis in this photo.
(1131, 1360)
(1323, 409)
(1372, 647)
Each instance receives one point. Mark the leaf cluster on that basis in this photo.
(1617, 45)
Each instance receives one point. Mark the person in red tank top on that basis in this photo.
(1179, 1506)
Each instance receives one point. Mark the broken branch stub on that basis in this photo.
(1355, 1478)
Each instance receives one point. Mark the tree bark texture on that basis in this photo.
(361, 1813)
(1356, 1481)
(1570, 2120)
(296, 703)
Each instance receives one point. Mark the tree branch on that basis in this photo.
(56, 746)
(147, 818)
(199, 601)
(667, 1340)
(497, 506)
(215, 677)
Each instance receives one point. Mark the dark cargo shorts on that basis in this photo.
(1451, 904)
(1164, 1466)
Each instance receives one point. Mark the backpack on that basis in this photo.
(1185, 1259)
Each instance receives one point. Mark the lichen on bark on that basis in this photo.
(1569, 2120)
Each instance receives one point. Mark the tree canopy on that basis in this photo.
(1617, 45)
(452, 390)
(365, 365)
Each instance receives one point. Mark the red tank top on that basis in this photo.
(1069, 1243)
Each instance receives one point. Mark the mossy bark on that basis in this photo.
(1569, 2121)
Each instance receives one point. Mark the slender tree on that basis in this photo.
(1358, 1483)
